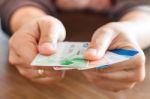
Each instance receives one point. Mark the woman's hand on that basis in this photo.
(119, 76)
(40, 35)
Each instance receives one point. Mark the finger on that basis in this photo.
(51, 31)
(34, 73)
(135, 62)
(114, 85)
(47, 80)
(27, 52)
(14, 58)
(126, 65)
(101, 40)
(119, 76)
(108, 84)
(122, 75)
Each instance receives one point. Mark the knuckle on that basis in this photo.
(11, 60)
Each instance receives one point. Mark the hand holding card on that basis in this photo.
(70, 55)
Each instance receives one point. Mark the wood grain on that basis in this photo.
(74, 86)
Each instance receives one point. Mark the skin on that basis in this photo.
(97, 5)
(40, 33)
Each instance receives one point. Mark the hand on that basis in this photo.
(37, 36)
(119, 76)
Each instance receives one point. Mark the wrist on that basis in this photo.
(24, 15)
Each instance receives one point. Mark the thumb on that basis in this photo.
(51, 32)
(100, 42)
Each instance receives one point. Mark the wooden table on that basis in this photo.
(74, 86)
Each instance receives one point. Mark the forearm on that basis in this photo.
(140, 22)
(24, 15)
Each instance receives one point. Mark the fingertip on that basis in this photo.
(47, 48)
(92, 54)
